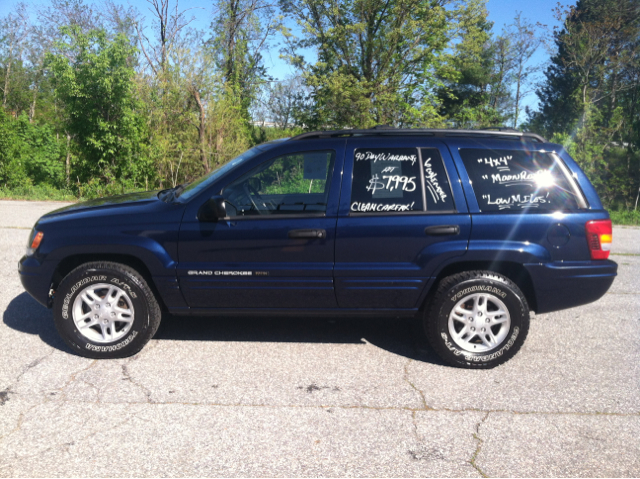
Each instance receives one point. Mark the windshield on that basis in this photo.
(200, 184)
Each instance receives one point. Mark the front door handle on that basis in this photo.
(442, 230)
(294, 234)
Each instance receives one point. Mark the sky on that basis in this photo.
(501, 12)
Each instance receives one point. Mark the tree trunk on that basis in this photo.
(6, 85)
(201, 129)
(32, 107)
(219, 142)
(68, 162)
(517, 106)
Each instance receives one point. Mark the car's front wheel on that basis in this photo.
(105, 310)
(477, 319)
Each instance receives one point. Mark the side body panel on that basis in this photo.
(251, 262)
(385, 260)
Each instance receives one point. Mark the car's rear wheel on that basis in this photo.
(105, 310)
(477, 319)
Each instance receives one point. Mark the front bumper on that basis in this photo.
(565, 285)
(35, 277)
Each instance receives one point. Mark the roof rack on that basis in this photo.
(384, 130)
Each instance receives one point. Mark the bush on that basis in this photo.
(625, 217)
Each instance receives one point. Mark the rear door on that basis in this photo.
(402, 213)
(275, 249)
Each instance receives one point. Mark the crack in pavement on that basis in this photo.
(364, 407)
(4, 395)
(425, 406)
(43, 400)
(19, 422)
(67, 445)
(425, 452)
(476, 436)
(127, 377)
(72, 378)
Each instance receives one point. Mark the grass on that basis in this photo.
(625, 217)
(36, 193)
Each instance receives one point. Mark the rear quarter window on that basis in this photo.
(517, 180)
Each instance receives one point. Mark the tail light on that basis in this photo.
(599, 237)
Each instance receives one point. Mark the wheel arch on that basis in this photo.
(516, 272)
(69, 263)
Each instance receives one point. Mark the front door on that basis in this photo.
(275, 248)
(400, 217)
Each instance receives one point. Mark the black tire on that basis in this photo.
(493, 289)
(136, 333)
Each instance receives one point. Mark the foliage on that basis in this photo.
(99, 100)
(376, 60)
(474, 75)
(589, 101)
(29, 154)
(37, 193)
(625, 217)
(286, 175)
(93, 81)
(240, 33)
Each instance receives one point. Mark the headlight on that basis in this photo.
(35, 242)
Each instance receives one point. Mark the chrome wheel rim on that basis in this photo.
(103, 313)
(479, 323)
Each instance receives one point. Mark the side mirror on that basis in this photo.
(213, 209)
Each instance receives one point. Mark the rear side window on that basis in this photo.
(397, 180)
(516, 180)
(436, 182)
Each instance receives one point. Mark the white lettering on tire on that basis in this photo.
(481, 287)
(74, 288)
(484, 358)
(113, 347)
(124, 285)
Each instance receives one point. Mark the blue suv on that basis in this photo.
(469, 230)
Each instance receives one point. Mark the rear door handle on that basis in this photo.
(442, 230)
(308, 234)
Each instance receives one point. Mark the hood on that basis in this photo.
(109, 201)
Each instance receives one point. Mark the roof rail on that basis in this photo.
(434, 132)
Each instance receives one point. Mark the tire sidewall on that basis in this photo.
(69, 290)
(518, 312)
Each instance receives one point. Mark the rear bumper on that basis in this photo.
(565, 285)
(36, 279)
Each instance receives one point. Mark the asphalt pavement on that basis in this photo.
(317, 397)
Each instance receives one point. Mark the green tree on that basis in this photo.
(14, 32)
(94, 82)
(525, 41)
(376, 59)
(29, 154)
(476, 73)
(589, 99)
(242, 30)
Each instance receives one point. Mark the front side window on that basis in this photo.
(397, 180)
(516, 180)
(290, 184)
